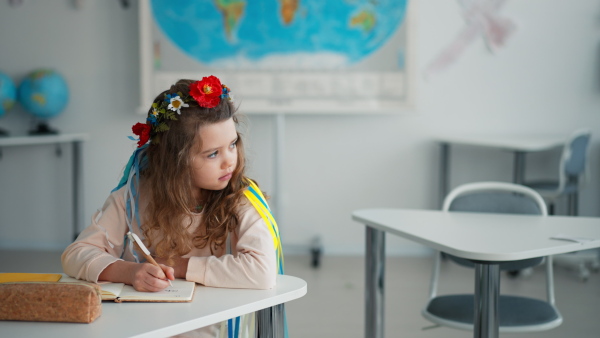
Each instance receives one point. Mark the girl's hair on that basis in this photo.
(167, 180)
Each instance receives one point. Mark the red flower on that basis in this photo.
(143, 131)
(207, 92)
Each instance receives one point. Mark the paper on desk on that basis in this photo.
(564, 237)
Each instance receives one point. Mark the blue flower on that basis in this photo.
(152, 119)
(170, 96)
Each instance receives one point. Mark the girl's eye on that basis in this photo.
(233, 145)
(213, 155)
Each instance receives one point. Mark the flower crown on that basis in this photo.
(207, 93)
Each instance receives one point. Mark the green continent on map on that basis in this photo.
(232, 10)
(365, 19)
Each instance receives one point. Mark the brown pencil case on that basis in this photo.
(50, 302)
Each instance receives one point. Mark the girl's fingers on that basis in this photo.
(168, 271)
(155, 284)
(150, 278)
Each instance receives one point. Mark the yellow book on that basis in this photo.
(15, 277)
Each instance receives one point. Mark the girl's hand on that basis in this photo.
(142, 276)
(150, 278)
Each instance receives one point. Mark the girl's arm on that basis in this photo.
(252, 264)
(143, 276)
(95, 255)
(98, 245)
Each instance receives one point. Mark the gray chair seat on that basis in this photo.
(515, 312)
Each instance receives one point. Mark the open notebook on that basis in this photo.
(181, 291)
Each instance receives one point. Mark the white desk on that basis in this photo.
(76, 140)
(486, 238)
(518, 144)
(210, 306)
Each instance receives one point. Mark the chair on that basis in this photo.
(516, 313)
(573, 165)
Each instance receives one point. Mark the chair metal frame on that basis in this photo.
(550, 299)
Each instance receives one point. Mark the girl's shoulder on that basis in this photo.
(116, 196)
(245, 206)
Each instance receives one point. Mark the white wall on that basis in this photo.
(545, 80)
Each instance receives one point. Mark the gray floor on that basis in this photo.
(334, 305)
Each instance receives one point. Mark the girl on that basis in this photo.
(184, 191)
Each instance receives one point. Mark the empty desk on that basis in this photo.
(487, 239)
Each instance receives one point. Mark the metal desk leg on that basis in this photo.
(374, 283)
(77, 187)
(444, 170)
(487, 289)
(270, 322)
(519, 167)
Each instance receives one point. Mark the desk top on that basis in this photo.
(41, 139)
(210, 306)
(483, 236)
(527, 143)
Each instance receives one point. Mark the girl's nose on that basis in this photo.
(229, 160)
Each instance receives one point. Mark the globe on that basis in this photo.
(44, 94)
(214, 31)
(8, 94)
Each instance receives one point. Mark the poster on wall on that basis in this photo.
(283, 56)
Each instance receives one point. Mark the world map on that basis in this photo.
(267, 32)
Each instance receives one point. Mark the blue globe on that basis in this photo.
(8, 94)
(44, 93)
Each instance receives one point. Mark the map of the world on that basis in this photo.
(284, 56)
(263, 32)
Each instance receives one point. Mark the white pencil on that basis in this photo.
(141, 247)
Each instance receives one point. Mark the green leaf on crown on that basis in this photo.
(161, 127)
(170, 115)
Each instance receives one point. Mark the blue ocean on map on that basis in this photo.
(214, 31)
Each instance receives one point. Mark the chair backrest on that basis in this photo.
(496, 197)
(574, 156)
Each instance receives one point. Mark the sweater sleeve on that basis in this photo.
(252, 264)
(100, 244)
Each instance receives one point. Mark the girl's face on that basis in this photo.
(213, 164)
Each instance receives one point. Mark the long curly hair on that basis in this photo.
(168, 182)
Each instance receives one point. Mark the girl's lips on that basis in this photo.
(225, 178)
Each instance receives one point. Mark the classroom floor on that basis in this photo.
(334, 304)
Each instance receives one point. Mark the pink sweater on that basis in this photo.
(252, 263)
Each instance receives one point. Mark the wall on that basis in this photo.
(545, 80)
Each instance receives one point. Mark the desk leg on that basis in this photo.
(374, 283)
(444, 170)
(270, 322)
(519, 167)
(77, 187)
(487, 289)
